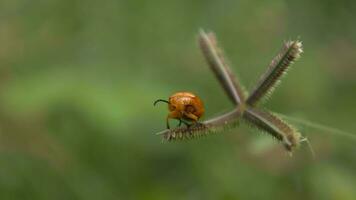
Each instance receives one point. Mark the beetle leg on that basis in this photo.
(180, 122)
(171, 115)
(167, 122)
(186, 123)
(191, 116)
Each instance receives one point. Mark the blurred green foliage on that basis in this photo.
(78, 79)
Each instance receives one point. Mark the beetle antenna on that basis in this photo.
(158, 100)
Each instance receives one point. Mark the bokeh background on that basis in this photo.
(78, 79)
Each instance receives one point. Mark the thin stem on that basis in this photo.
(319, 126)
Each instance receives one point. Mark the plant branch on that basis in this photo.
(209, 126)
(214, 57)
(273, 125)
(290, 52)
(261, 119)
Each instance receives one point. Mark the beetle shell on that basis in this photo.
(185, 105)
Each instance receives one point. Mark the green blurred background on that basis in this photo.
(78, 79)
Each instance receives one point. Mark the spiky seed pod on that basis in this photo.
(273, 125)
(194, 132)
(211, 126)
(290, 52)
(218, 64)
(183, 133)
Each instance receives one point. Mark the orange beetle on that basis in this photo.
(184, 106)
